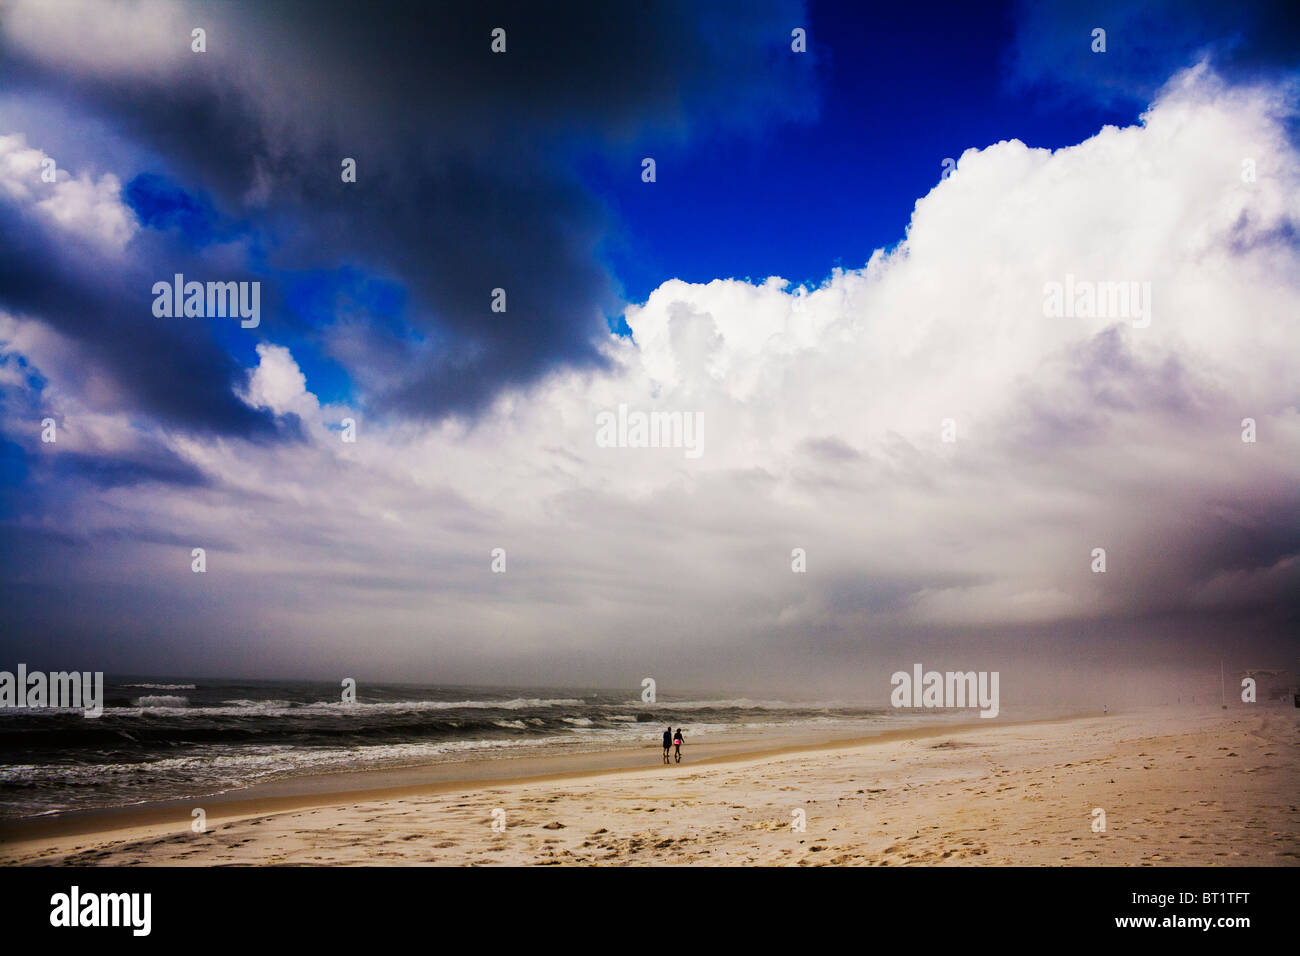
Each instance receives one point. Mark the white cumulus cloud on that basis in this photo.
(82, 206)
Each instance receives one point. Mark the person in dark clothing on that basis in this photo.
(668, 742)
(677, 742)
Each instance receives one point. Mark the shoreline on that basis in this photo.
(312, 791)
(998, 793)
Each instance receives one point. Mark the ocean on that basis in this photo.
(172, 738)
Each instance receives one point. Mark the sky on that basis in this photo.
(840, 271)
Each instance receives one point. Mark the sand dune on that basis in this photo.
(1176, 788)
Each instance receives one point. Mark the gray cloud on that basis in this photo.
(465, 157)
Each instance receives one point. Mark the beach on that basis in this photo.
(1173, 787)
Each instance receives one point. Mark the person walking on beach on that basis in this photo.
(677, 742)
(668, 741)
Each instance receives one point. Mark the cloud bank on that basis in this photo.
(825, 415)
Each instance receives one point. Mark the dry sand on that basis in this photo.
(1185, 788)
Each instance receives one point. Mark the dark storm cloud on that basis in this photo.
(1246, 534)
(171, 368)
(117, 471)
(465, 158)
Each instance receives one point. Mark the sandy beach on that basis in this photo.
(1181, 788)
